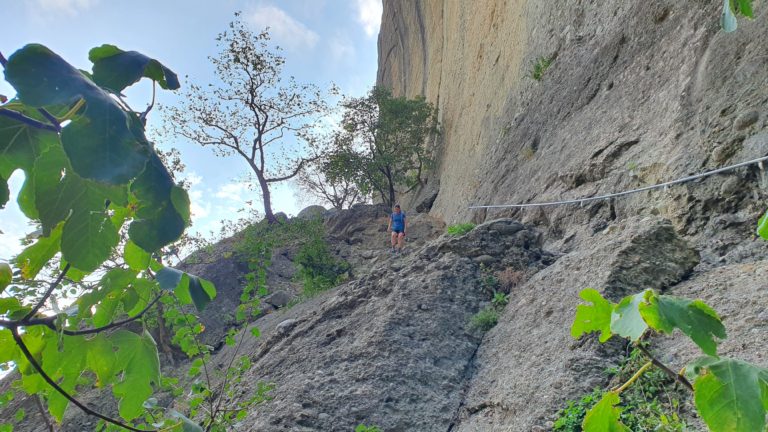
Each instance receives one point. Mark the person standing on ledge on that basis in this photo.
(397, 226)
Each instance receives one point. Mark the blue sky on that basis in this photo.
(323, 41)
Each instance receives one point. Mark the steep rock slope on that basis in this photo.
(391, 348)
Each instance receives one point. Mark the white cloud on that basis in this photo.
(369, 15)
(234, 191)
(285, 30)
(68, 7)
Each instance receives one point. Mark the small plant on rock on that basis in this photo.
(500, 299)
(364, 428)
(540, 66)
(460, 229)
(486, 319)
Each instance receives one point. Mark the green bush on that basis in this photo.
(364, 428)
(460, 229)
(540, 66)
(486, 319)
(318, 269)
(650, 404)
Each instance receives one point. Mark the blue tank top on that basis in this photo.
(398, 221)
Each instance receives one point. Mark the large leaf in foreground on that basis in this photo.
(116, 69)
(189, 289)
(731, 395)
(158, 222)
(626, 320)
(693, 317)
(594, 318)
(137, 358)
(604, 417)
(101, 142)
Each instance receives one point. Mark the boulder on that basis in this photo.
(311, 212)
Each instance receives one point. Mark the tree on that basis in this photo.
(382, 146)
(340, 192)
(97, 188)
(254, 112)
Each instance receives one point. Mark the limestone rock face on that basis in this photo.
(638, 92)
(529, 365)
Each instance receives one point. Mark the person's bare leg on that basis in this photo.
(401, 241)
(394, 239)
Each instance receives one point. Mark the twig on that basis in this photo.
(48, 293)
(43, 413)
(672, 374)
(226, 378)
(48, 116)
(114, 324)
(31, 359)
(3, 61)
(27, 120)
(143, 116)
(634, 378)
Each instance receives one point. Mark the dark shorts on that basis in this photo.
(398, 231)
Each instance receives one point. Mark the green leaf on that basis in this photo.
(188, 288)
(116, 69)
(158, 222)
(10, 305)
(731, 395)
(32, 259)
(604, 416)
(135, 257)
(137, 358)
(168, 278)
(745, 8)
(9, 350)
(114, 285)
(180, 200)
(193, 290)
(626, 320)
(6, 275)
(187, 425)
(5, 193)
(20, 145)
(64, 362)
(101, 146)
(694, 318)
(103, 143)
(102, 360)
(762, 226)
(42, 78)
(88, 239)
(593, 318)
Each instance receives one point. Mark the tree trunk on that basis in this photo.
(267, 199)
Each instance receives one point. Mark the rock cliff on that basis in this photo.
(637, 92)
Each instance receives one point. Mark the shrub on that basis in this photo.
(364, 428)
(486, 319)
(649, 405)
(460, 229)
(540, 66)
(500, 299)
(318, 269)
(509, 278)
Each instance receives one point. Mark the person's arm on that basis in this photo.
(389, 225)
(405, 224)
